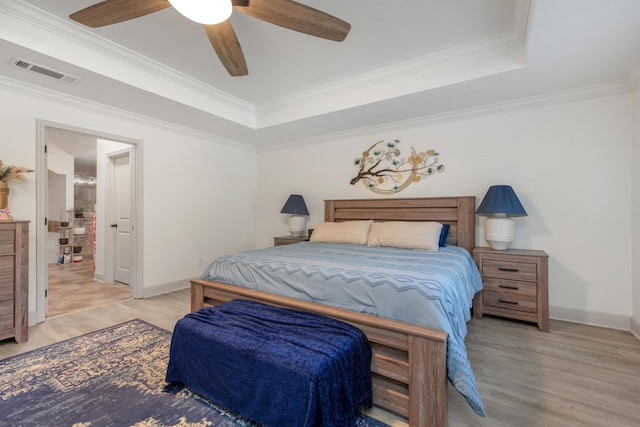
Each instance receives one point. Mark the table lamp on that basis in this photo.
(298, 209)
(499, 204)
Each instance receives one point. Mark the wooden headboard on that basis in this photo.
(458, 212)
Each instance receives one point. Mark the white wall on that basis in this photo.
(635, 325)
(61, 198)
(569, 164)
(198, 193)
(56, 197)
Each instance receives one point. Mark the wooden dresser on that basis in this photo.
(516, 285)
(14, 280)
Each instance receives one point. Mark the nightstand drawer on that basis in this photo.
(510, 301)
(526, 289)
(513, 270)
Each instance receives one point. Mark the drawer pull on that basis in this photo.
(508, 287)
(511, 270)
(504, 301)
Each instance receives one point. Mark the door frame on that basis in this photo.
(41, 208)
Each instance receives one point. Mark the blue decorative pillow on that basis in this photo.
(443, 235)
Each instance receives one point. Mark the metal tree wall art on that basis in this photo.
(384, 171)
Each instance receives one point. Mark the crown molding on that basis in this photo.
(538, 101)
(54, 97)
(491, 55)
(465, 61)
(413, 66)
(522, 18)
(82, 48)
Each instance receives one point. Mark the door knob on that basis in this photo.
(114, 225)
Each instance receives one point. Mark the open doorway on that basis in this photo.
(78, 204)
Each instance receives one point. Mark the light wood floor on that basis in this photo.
(575, 375)
(72, 288)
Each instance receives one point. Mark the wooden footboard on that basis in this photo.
(409, 361)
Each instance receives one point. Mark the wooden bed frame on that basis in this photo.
(409, 361)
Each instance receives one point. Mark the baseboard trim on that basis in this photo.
(605, 320)
(165, 288)
(635, 327)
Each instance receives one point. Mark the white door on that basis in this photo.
(123, 253)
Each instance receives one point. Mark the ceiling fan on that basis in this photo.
(285, 13)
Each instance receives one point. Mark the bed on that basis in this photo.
(409, 365)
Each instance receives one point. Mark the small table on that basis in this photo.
(288, 240)
(516, 285)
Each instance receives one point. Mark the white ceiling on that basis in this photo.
(401, 61)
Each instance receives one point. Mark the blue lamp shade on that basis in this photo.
(295, 205)
(501, 199)
(499, 204)
(297, 208)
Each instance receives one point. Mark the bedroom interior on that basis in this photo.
(543, 96)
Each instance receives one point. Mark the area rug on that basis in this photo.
(112, 377)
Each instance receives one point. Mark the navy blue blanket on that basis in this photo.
(277, 366)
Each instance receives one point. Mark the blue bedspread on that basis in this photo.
(432, 289)
(277, 366)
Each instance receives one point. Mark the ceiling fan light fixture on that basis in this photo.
(204, 12)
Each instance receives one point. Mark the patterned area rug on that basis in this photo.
(112, 377)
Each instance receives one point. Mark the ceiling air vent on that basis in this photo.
(30, 66)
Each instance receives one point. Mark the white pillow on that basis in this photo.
(405, 234)
(355, 232)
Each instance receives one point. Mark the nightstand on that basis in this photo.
(288, 240)
(516, 285)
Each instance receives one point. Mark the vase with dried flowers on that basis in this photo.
(10, 173)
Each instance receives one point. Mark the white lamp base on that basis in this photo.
(499, 231)
(297, 225)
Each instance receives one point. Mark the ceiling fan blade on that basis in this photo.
(113, 11)
(298, 17)
(224, 41)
